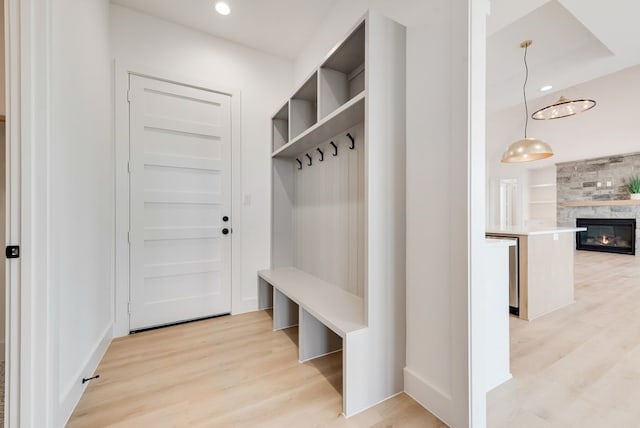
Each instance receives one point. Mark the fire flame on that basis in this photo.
(605, 240)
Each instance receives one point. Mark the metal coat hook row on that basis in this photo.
(321, 154)
(310, 160)
(353, 141)
(335, 148)
(299, 163)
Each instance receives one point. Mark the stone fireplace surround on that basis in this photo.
(577, 182)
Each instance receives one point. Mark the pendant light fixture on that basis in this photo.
(563, 108)
(528, 149)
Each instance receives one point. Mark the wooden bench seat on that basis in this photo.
(339, 310)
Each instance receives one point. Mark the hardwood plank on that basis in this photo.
(578, 366)
(229, 371)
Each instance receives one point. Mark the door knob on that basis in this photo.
(225, 231)
(225, 218)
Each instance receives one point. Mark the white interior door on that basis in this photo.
(180, 187)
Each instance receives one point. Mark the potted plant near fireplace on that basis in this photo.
(634, 187)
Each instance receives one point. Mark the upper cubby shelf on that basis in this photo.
(330, 101)
(303, 107)
(342, 75)
(345, 117)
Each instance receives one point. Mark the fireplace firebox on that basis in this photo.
(607, 235)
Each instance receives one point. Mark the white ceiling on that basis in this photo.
(279, 27)
(574, 41)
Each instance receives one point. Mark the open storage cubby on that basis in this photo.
(342, 76)
(303, 107)
(280, 128)
(338, 223)
(542, 196)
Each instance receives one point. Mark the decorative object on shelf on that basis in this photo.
(528, 149)
(634, 187)
(563, 108)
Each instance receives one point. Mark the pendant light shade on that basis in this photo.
(563, 108)
(528, 149)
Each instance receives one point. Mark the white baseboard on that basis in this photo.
(504, 378)
(244, 306)
(69, 400)
(429, 396)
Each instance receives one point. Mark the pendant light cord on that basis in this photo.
(524, 91)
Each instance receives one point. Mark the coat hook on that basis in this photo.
(299, 163)
(353, 141)
(310, 160)
(335, 148)
(321, 154)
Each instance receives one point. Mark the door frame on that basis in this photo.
(121, 122)
(31, 351)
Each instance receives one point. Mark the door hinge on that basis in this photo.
(129, 96)
(129, 237)
(129, 307)
(129, 167)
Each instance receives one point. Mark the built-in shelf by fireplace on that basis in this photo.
(607, 235)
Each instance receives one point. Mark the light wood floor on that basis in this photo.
(576, 367)
(226, 372)
(579, 366)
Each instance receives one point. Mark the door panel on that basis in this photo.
(181, 250)
(200, 146)
(180, 190)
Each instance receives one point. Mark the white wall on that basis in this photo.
(445, 212)
(81, 185)
(264, 81)
(612, 127)
(438, 221)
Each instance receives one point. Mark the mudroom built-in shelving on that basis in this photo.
(542, 196)
(338, 227)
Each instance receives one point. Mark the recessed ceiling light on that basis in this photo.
(223, 8)
(546, 88)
